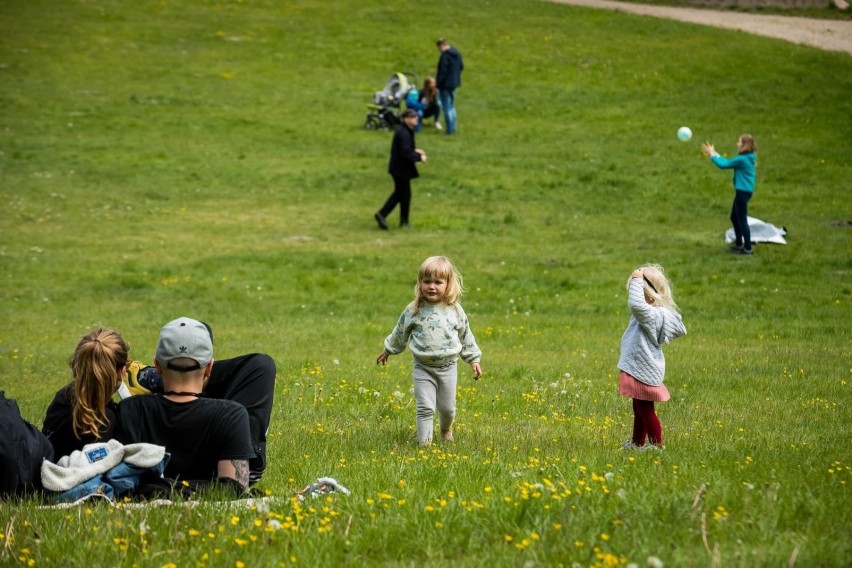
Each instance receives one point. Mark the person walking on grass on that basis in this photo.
(402, 167)
(654, 321)
(437, 330)
(448, 79)
(744, 165)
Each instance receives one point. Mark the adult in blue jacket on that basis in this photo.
(744, 166)
(402, 167)
(448, 79)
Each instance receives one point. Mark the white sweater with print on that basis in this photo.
(437, 334)
(650, 327)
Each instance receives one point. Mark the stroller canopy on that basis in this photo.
(395, 90)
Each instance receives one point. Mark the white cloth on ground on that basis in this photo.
(761, 232)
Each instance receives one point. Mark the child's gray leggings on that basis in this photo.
(434, 387)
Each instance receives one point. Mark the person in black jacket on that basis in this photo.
(22, 450)
(450, 67)
(402, 167)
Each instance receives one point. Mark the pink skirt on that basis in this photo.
(630, 387)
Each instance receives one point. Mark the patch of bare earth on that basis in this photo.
(830, 35)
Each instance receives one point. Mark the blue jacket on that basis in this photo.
(744, 169)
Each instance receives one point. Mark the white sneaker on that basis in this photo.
(438, 126)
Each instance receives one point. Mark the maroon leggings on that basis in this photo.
(645, 422)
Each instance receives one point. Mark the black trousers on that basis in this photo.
(739, 219)
(401, 195)
(249, 380)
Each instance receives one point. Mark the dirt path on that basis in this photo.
(831, 35)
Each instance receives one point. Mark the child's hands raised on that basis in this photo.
(477, 370)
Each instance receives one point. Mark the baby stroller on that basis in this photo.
(383, 113)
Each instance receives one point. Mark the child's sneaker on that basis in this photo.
(438, 126)
(629, 445)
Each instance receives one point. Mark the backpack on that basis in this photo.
(22, 449)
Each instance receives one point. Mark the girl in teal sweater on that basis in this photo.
(744, 165)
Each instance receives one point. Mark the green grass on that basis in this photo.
(207, 159)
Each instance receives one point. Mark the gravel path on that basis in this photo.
(830, 35)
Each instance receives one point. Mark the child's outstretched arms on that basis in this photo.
(382, 358)
(477, 370)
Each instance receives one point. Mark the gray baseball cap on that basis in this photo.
(185, 338)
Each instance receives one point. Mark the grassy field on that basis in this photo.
(164, 158)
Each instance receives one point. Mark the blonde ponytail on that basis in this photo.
(96, 367)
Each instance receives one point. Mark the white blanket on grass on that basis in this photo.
(761, 232)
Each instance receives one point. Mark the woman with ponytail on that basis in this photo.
(83, 412)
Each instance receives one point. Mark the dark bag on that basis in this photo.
(22, 449)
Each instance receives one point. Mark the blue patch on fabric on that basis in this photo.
(97, 454)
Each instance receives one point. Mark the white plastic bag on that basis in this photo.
(761, 232)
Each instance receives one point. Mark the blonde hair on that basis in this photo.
(96, 367)
(439, 267)
(657, 286)
(748, 144)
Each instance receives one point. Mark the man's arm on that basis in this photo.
(238, 470)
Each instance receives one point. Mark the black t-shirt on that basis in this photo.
(197, 434)
(58, 424)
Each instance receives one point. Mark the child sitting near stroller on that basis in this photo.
(425, 103)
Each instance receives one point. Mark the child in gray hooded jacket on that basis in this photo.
(654, 321)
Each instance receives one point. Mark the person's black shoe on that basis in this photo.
(736, 249)
(257, 465)
(380, 219)
(745, 251)
(405, 225)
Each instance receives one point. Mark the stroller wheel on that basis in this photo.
(372, 122)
